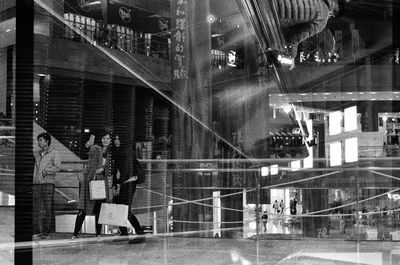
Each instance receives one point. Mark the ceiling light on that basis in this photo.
(285, 60)
(287, 108)
(211, 19)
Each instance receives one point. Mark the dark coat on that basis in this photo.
(127, 190)
(95, 162)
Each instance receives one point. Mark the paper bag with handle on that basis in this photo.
(97, 189)
(113, 214)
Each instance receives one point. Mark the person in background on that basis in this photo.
(98, 166)
(291, 206)
(264, 219)
(125, 186)
(275, 206)
(282, 206)
(294, 206)
(47, 164)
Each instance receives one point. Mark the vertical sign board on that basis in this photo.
(179, 43)
(179, 58)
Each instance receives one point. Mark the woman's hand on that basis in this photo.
(115, 190)
(90, 142)
(99, 170)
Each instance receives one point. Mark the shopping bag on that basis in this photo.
(113, 214)
(97, 189)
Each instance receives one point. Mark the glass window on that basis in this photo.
(216, 124)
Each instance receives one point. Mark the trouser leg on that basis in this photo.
(134, 222)
(96, 211)
(79, 221)
(36, 209)
(48, 202)
(125, 197)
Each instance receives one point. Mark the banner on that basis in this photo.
(137, 19)
(87, 8)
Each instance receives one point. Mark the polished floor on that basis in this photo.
(181, 251)
(189, 250)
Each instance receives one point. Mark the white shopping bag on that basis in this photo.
(113, 214)
(97, 189)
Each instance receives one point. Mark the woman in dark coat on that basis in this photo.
(124, 191)
(99, 167)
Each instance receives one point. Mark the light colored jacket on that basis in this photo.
(50, 161)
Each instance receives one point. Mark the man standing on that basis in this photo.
(47, 164)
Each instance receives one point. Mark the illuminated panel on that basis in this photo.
(334, 122)
(351, 150)
(308, 161)
(335, 154)
(274, 170)
(264, 171)
(295, 165)
(309, 124)
(350, 119)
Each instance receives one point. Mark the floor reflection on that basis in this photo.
(181, 250)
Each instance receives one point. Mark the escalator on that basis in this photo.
(261, 17)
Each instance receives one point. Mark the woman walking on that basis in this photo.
(98, 167)
(125, 188)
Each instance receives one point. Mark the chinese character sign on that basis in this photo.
(179, 40)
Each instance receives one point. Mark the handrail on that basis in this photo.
(70, 171)
(7, 127)
(64, 196)
(74, 162)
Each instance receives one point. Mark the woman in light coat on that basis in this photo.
(98, 167)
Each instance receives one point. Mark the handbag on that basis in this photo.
(113, 214)
(97, 189)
